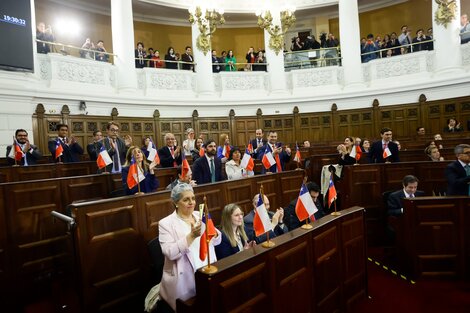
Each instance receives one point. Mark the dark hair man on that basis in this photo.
(31, 153)
(410, 190)
(458, 172)
(208, 169)
(384, 151)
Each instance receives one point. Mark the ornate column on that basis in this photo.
(349, 41)
(447, 39)
(122, 26)
(203, 68)
(276, 74)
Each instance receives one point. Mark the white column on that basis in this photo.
(448, 57)
(204, 75)
(122, 26)
(276, 73)
(350, 39)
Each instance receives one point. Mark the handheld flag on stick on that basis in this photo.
(268, 159)
(247, 161)
(135, 174)
(201, 151)
(261, 221)
(249, 148)
(153, 154)
(185, 168)
(103, 159)
(297, 157)
(15, 152)
(386, 153)
(59, 150)
(226, 151)
(208, 231)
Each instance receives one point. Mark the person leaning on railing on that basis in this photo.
(44, 34)
(85, 52)
(100, 56)
(171, 58)
(230, 60)
(465, 30)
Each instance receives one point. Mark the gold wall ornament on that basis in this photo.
(207, 24)
(445, 12)
(265, 21)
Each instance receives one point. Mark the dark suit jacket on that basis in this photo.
(93, 150)
(250, 231)
(225, 249)
(292, 221)
(254, 143)
(202, 172)
(348, 160)
(283, 157)
(149, 184)
(71, 153)
(166, 160)
(187, 58)
(457, 179)
(140, 63)
(395, 201)
(376, 152)
(122, 149)
(31, 156)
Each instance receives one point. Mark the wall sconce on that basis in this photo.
(207, 25)
(265, 21)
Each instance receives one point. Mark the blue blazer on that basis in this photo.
(457, 180)
(283, 156)
(149, 184)
(202, 172)
(225, 249)
(220, 149)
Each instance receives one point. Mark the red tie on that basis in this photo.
(385, 146)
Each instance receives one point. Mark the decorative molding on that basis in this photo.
(170, 80)
(465, 54)
(397, 66)
(315, 77)
(242, 81)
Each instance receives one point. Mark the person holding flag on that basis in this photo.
(257, 143)
(22, 150)
(71, 149)
(345, 150)
(272, 222)
(385, 150)
(116, 146)
(223, 151)
(171, 154)
(180, 239)
(103, 159)
(234, 167)
(137, 171)
(273, 156)
(198, 150)
(184, 176)
(208, 169)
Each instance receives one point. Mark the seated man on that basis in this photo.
(181, 179)
(276, 221)
(31, 153)
(458, 172)
(71, 148)
(395, 203)
(208, 169)
(290, 217)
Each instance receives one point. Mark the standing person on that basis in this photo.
(179, 236)
(44, 34)
(458, 172)
(379, 149)
(223, 151)
(93, 148)
(150, 182)
(189, 143)
(171, 59)
(465, 29)
(31, 153)
(86, 53)
(405, 38)
(188, 57)
(345, 150)
(196, 152)
(71, 148)
(281, 156)
(234, 238)
(208, 169)
(140, 56)
(116, 147)
(410, 190)
(250, 59)
(101, 56)
(215, 62)
(230, 61)
(171, 154)
(258, 142)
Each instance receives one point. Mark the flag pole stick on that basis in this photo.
(208, 269)
(138, 182)
(335, 213)
(268, 243)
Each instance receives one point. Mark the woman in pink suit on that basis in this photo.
(179, 235)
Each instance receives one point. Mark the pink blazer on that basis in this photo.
(178, 270)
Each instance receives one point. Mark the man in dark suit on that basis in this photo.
(208, 169)
(290, 217)
(30, 151)
(384, 147)
(170, 155)
(140, 56)
(116, 147)
(258, 142)
(93, 148)
(410, 190)
(187, 57)
(215, 62)
(458, 172)
(71, 148)
(281, 156)
(277, 222)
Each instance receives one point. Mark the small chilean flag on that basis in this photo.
(268, 159)
(358, 152)
(305, 206)
(207, 233)
(247, 161)
(261, 222)
(201, 151)
(59, 150)
(226, 151)
(135, 174)
(249, 148)
(103, 159)
(297, 156)
(153, 154)
(386, 153)
(15, 152)
(185, 169)
(331, 191)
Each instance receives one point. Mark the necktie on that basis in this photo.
(212, 171)
(385, 146)
(467, 170)
(115, 158)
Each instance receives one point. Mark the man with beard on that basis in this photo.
(208, 169)
(31, 153)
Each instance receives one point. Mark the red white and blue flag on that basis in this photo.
(261, 222)
(356, 152)
(207, 233)
(268, 158)
(332, 195)
(297, 156)
(59, 150)
(305, 207)
(247, 161)
(103, 159)
(16, 152)
(153, 154)
(185, 169)
(135, 174)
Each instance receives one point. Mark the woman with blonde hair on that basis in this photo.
(150, 182)
(234, 238)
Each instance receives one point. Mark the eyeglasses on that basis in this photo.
(114, 130)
